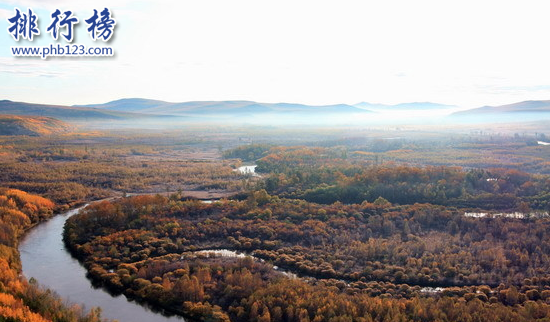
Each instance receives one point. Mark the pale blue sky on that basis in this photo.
(469, 53)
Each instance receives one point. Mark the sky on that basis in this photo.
(465, 53)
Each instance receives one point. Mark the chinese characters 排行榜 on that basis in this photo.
(25, 25)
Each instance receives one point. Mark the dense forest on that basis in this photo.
(322, 175)
(471, 151)
(341, 226)
(146, 247)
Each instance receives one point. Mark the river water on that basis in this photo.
(45, 258)
(248, 169)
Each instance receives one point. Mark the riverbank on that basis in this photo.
(45, 258)
(22, 300)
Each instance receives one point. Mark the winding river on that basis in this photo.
(45, 258)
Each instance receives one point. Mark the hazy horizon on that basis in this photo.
(313, 52)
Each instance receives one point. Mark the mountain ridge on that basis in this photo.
(128, 109)
(530, 106)
(147, 106)
(62, 112)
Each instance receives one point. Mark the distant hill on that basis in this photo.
(405, 106)
(31, 125)
(127, 105)
(63, 112)
(521, 107)
(146, 106)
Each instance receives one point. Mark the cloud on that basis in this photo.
(5, 14)
(38, 68)
(517, 89)
(310, 51)
(66, 4)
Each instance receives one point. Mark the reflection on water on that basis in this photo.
(45, 258)
(221, 253)
(432, 290)
(516, 215)
(234, 254)
(248, 169)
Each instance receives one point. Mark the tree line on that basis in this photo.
(22, 300)
(351, 256)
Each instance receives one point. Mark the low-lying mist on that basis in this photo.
(383, 119)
